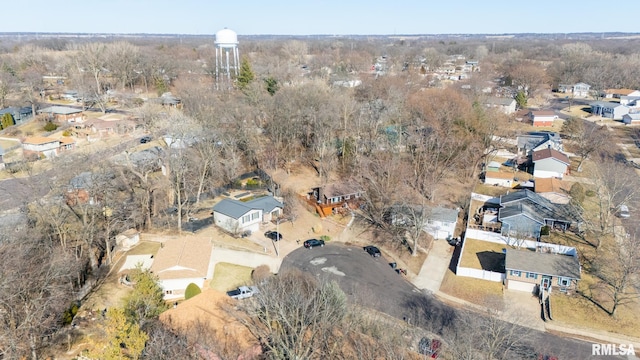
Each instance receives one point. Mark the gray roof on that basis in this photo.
(534, 206)
(444, 214)
(235, 209)
(266, 203)
(535, 139)
(504, 101)
(61, 110)
(605, 104)
(543, 263)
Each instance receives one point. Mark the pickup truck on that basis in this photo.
(243, 292)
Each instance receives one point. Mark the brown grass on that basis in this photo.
(228, 276)
(477, 291)
(580, 312)
(473, 247)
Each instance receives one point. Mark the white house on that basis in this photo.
(550, 163)
(236, 216)
(505, 104)
(41, 145)
(441, 223)
(578, 90)
(180, 262)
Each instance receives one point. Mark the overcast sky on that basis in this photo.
(329, 17)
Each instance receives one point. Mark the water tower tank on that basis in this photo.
(226, 38)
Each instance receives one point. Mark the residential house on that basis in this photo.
(439, 222)
(534, 141)
(523, 213)
(542, 118)
(629, 100)
(499, 178)
(550, 163)
(46, 146)
(504, 104)
(180, 262)
(20, 115)
(578, 90)
(619, 93)
(631, 119)
(528, 270)
(105, 126)
(611, 110)
(553, 189)
(333, 196)
(63, 114)
(238, 217)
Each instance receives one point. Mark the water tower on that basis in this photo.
(227, 58)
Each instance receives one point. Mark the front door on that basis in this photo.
(546, 282)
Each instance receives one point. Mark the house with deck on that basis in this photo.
(523, 213)
(46, 146)
(328, 198)
(543, 268)
(534, 141)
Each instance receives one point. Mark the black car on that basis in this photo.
(273, 235)
(145, 139)
(311, 243)
(372, 250)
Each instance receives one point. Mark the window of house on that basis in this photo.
(564, 281)
(516, 273)
(168, 292)
(531, 275)
(246, 219)
(255, 215)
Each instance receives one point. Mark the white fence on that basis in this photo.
(480, 274)
(529, 244)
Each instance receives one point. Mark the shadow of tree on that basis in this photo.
(426, 312)
(491, 260)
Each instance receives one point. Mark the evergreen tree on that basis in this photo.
(246, 75)
(145, 301)
(272, 85)
(6, 121)
(521, 99)
(123, 339)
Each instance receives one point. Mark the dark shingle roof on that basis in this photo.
(550, 153)
(536, 207)
(543, 263)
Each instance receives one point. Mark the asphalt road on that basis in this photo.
(371, 282)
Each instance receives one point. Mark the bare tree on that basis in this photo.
(37, 283)
(618, 267)
(587, 137)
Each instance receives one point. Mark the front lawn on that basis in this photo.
(228, 276)
(579, 312)
(477, 291)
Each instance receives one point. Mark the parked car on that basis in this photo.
(623, 211)
(145, 139)
(372, 250)
(243, 292)
(311, 243)
(430, 347)
(273, 235)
